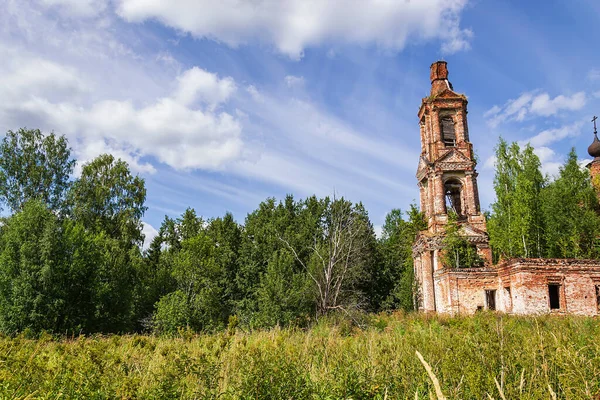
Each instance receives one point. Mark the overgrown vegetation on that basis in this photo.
(71, 259)
(529, 357)
(534, 216)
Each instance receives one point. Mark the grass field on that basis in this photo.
(480, 357)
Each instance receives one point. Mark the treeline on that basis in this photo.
(71, 258)
(535, 216)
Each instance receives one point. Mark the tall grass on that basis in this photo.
(480, 357)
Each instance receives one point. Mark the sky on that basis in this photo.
(219, 105)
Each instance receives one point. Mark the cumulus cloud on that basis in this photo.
(293, 25)
(545, 106)
(182, 129)
(533, 104)
(196, 84)
(551, 162)
(550, 136)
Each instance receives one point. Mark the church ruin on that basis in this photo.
(447, 181)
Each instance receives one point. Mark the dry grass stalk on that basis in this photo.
(552, 394)
(522, 382)
(500, 389)
(434, 379)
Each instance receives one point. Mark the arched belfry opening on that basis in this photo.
(448, 131)
(453, 190)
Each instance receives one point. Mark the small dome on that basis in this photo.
(594, 149)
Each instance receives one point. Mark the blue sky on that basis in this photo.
(219, 105)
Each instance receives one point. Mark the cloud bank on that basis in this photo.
(294, 25)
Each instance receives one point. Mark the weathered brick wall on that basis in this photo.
(529, 278)
(463, 290)
(521, 287)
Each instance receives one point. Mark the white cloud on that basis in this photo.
(594, 74)
(293, 25)
(255, 94)
(551, 162)
(304, 148)
(490, 163)
(76, 8)
(170, 128)
(149, 233)
(545, 106)
(34, 76)
(294, 81)
(196, 84)
(378, 231)
(550, 136)
(533, 104)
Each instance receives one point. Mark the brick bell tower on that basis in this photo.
(447, 181)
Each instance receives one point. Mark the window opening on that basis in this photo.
(448, 135)
(554, 294)
(508, 297)
(598, 297)
(453, 191)
(490, 299)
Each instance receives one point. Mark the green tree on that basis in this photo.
(34, 166)
(108, 198)
(199, 300)
(516, 222)
(458, 252)
(396, 270)
(58, 276)
(570, 208)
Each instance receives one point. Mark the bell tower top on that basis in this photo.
(439, 70)
(446, 172)
(438, 74)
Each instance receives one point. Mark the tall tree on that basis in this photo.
(340, 254)
(395, 274)
(34, 166)
(108, 198)
(570, 209)
(516, 223)
(199, 301)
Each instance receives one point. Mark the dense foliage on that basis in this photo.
(529, 358)
(534, 216)
(71, 258)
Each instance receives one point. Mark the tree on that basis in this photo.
(458, 252)
(516, 223)
(55, 275)
(108, 198)
(199, 300)
(34, 166)
(342, 248)
(396, 270)
(570, 209)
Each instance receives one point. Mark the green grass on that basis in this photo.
(528, 356)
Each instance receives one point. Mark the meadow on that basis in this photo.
(480, 357)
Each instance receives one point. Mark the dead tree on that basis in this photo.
(338, 255)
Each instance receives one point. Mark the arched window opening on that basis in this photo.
(453, 192)
(448, 134)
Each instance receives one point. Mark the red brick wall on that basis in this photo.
(463, 290)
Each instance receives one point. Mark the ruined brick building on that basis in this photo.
(447, 180)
